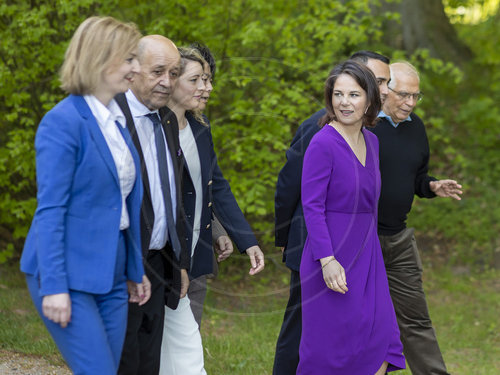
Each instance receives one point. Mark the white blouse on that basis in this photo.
(106, 117)
(190, 151)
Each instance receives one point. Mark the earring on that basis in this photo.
(366, 110)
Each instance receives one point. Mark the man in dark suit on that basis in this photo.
(290, 227)
(154, 131)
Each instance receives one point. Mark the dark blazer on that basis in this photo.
(217, 198)
(290, 227)
(169, 123)
(73, 239)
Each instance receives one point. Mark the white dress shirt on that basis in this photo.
(106, 117)
(145, 132)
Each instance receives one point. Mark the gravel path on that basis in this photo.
(21, 364)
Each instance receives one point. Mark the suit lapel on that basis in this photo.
(171, 130)
(121, 99)
(96, 134)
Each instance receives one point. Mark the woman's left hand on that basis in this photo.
(57, 307)
(139, 292)
(334, 274)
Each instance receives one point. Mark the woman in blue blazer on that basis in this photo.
(82, 255)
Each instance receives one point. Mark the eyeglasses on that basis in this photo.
(406, 95)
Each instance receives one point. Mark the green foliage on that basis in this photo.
(272, 60)
(470, 11)
(34, 36)
(463, 121)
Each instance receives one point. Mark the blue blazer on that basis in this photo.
(217, 198)
(73, 239)
(290, 226)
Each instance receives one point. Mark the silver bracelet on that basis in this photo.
(324, 265)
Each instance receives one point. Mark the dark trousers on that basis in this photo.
(197, 292)
(142, 348)
(286, 358)
(404, 273)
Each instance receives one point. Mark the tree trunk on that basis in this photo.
(424, 24)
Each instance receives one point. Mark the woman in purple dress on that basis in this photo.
(348, 322)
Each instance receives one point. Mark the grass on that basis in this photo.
(240, 333)
(243, 316)
(21, 329)
(465, 310)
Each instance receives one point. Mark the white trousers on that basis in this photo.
(181, 347)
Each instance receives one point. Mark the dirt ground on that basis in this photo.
(12, 363)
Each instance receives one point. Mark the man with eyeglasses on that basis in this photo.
(404, 160)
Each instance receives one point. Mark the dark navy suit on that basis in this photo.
(141, 351)
(291, 233)
(217, 198)
(75, 244)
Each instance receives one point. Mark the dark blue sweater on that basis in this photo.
(404, 162)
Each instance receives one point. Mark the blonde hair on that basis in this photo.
(192, 54)
(96, 45)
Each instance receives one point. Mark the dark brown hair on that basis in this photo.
(207, 56)
(365, 79)
(363, 57)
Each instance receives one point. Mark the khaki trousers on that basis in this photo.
(404, 273)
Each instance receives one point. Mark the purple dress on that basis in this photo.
(352, 333)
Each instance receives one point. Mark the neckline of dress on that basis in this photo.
(349, 147)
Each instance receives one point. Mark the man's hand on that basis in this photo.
(223, 247)
(139, 292)
(57, 307)
(282, 249)
(256, 259)
(446, 188)
(184, 283)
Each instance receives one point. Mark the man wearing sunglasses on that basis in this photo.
(404, 161)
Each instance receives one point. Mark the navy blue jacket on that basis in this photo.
(290, 227)
(217, 199)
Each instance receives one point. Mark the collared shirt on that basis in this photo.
(383, 115)
(145, 132)
(106, 119)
